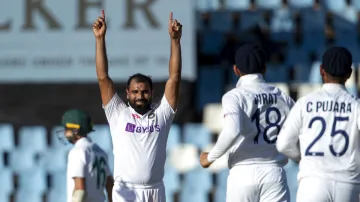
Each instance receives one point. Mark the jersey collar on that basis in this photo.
(82, 140)
(137, 115)
(250, 78)
(333, 87)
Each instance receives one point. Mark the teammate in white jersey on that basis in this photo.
(139, 131)
(254, 112)
(323, 131)
(88, 173)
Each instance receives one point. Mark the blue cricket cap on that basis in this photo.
(250, 59)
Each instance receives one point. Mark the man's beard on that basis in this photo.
(141, 109)
(70, 139)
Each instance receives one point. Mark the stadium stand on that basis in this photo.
(295, 32)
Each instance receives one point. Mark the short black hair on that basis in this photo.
(140, 78)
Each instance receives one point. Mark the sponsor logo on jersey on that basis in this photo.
(136, 116)
(130, 127)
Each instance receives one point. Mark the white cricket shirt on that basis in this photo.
(323, 130)
(254, 112)
(139, 141)
(87, 160)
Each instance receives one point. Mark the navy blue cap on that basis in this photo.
(337, 61)
(250, 59)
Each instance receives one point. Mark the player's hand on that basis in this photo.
(99, 26)
(175, 28)
(203, 160)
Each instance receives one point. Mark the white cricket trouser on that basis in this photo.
(257, 183)
(313, 189)
(125, 192)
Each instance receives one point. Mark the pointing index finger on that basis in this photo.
(103, 14)
(171, 17)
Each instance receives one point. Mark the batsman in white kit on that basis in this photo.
(139, 131)
(88, 173)
(322, 132)
(254, 112)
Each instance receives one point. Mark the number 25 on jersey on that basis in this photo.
(334, 132)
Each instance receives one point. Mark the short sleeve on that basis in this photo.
(166, 109)
(114, 108)
(77, 163)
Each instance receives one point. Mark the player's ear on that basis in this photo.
(236, 71)
(322, 71)
(264, 70)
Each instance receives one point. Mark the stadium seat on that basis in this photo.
(250, 19)
(207, 5)
(197, 134)
(335, 6)
(283, 87)
(277, 73)
(221, 21)
(221, 183)
(356, 4)
(33, 138)
(346, 33)
(6, 179)
(313, 20)
(22, 196)
(301, 72)
(305, 89)
(184, 157)
(102, 137)
(173, 138)
(58, 181)
(7, 137)
(33, 181)
(171, 182)
(300, 3)
(211, 42)
(269, 4)
(213, 117)
(313, 41)
(210, 86)
(55, 160)
(220, 164)
(22, 160)
(196, 186)
(237, 5)
(296, 56)
(292, 170)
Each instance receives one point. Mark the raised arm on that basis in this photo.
(173, 83)
(106, 85)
